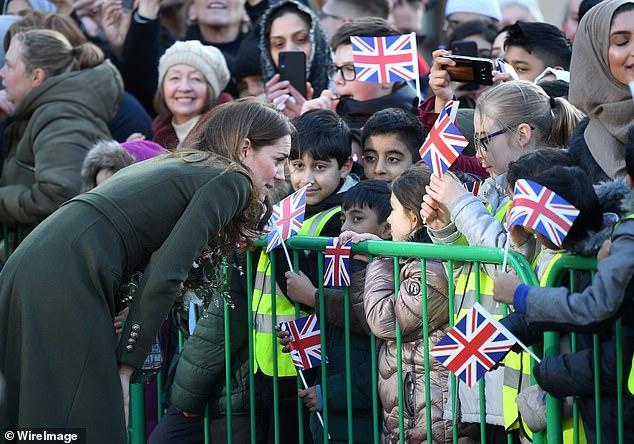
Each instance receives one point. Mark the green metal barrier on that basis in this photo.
(566, 267)
(451, 255)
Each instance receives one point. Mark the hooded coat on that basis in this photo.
(52, 129)
(316, 66)
(592, 309)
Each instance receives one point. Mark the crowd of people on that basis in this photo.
(143, 140)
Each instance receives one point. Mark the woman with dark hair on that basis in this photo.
(291, 26)
(58, 350)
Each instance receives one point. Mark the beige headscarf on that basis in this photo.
(595, 91)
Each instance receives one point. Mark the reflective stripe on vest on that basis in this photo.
(263, 329)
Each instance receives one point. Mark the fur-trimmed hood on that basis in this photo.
(316, 66)
(615, 197)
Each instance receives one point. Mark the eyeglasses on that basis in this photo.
(480, 142)
(347, 71)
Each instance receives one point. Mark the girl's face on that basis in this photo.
(621, 48)
(186, 92)
(493, 146)
(289, 33)
(402, 221)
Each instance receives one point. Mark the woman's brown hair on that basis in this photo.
(51, 51)
(218, 138)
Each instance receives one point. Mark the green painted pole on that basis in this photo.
(346, 324)
(454, 388)
(252, 422)
(137, 413)
(426, 364)
(399, 356)
(322, 338)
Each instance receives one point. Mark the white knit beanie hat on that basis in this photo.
(530, 5)
(206, 59)
(489, 8)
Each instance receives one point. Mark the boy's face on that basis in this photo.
(385, 157)
(526, 65)
(353, 88)
(364, 220)
(323, 175)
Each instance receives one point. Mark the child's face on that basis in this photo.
(355, 89)
(494, 153)
(385, 157)
(364, 220)
(323, 175)
(402, 221)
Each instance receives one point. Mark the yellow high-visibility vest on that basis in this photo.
(263, 328)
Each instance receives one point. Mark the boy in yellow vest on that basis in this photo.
(320, 158)
(593, 309)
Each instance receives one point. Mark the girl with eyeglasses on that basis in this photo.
(511, 119)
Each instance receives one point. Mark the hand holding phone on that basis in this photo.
(292, 67)
(471, 70)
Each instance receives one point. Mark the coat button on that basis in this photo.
(136, 327)
(131, 340)
(134, 334)
(129, 348)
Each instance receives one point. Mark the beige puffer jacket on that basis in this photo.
(382, 312)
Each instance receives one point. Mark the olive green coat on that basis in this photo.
(53, 128)
(58, 350)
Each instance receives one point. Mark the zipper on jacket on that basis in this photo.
(24, 165)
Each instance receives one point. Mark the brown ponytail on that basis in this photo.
(51, 51)
(86, 55)
(565, 118)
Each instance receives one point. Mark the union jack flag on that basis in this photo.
(385, 59)
(337, 262)
(287, 218)
(540, 209)
(445, 142)
(305, 344)
(474, 345)
(473, 187)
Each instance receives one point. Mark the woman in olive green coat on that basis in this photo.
(58, 351)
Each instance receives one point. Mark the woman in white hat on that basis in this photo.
(192, 77)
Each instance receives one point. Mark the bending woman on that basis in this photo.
(58, 351)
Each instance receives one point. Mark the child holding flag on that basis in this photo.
(511, 119)
(384, 312)
(319, 163)
(365, 209)
(592, 309)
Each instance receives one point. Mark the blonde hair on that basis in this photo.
(513, 103)
(51, 51)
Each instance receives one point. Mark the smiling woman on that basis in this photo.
(191, 80)
(603, 60)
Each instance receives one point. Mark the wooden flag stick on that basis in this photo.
(321, 420)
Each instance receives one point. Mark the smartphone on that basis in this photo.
(465, 48)
(292, 67)
(471, 70)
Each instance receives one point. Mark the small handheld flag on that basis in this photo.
(474, 345)
(287, 218)
(337, 257)
(445, 142)
(540, 209)
(385, 59)
(305, 342)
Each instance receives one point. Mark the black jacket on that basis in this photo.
(581, 155)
